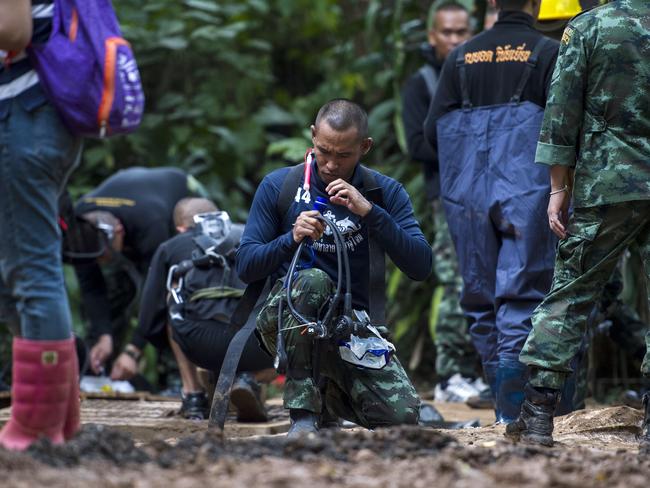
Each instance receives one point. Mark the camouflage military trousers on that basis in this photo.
(371, 398)
(455, 352)
(585, 261)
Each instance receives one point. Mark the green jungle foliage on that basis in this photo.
(232, 87)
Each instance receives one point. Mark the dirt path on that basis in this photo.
(594, 448)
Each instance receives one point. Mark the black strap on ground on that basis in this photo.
(221, 399)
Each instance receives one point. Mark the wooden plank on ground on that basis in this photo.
(146, 420)
(137, 395)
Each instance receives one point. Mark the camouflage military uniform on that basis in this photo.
(598, 110)
(370, 398)
(455, 352)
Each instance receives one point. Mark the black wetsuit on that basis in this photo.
(143, 199)
(416, 98)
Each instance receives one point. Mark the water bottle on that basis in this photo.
(320, 204)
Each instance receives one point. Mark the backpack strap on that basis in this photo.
(462, 75)
(528, 69)
(230, 244)
(376, 255)
(288, 189)
(205, 243)
(430, 78)
(225, 248)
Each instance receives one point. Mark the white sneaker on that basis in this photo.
(480, 385)
(458, 390)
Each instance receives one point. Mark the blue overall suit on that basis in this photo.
(495, 198)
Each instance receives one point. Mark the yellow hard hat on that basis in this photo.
(559, 9)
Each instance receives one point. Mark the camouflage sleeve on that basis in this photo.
(558, 140)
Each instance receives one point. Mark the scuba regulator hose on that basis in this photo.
(320, 328)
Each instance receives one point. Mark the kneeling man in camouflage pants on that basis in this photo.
(368, 397)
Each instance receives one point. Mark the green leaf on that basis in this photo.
(173, 43)
(291, 149)
(208, 6)
(225, 134)
(272, 114)
(209, 32)
(394, 281)
(434, 311)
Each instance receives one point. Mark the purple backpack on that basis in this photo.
(88, 70)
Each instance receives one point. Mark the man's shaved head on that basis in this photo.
(342, 114)
(187, 208)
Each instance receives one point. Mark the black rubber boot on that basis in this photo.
(429, 415)
(644, 444)
(303, 422)
(195, 406)
(535, 422)
(246, 396)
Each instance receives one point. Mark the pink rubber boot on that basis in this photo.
(39, 392)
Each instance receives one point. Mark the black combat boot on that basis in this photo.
(644, 445)
(194, 406)
(246, 396)
(302, 422)
(535, 422)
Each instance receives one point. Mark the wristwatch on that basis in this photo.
(133, 352)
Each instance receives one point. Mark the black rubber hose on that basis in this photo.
(343, 268)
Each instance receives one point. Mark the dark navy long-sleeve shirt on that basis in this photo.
(267, 245)
(416, 98)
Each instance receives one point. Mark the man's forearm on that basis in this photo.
(15, 24)
(256, 261)
(559, 177)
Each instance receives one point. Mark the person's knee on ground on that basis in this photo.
(311, 289)
(402, 415)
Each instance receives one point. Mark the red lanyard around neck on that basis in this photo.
(309, 157)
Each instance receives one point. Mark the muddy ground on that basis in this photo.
(597, 447)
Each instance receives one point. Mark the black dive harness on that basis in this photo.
(321, 328)
(358, 341)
